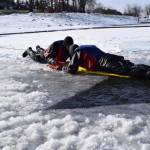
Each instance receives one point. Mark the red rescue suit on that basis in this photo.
(86, 56)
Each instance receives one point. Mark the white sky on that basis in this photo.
(120, 4)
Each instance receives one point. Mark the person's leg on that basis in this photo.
(113, 64)
(24, 54)
(140, 71)
(32, 54)
(40, 52)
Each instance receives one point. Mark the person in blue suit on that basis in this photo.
(94, 59)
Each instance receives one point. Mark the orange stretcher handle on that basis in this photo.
(58, 65)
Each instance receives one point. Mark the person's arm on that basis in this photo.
(74, 63)
(52, 51)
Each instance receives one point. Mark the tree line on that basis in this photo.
(56, 5)
(78, 6)
(130, 10)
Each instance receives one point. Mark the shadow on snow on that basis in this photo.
(114, 91)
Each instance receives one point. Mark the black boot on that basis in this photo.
(26, 52)
(39, 49)
(140, 71)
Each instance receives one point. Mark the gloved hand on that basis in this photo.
(65, 69)
(51, 61)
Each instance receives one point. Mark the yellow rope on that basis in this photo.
(80, 69)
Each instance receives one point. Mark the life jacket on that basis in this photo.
(90, 56)
(91, 50)
(59, 65)
(45, 52)
(63, 54)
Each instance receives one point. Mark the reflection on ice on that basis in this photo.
(135, 46)
(136, 51)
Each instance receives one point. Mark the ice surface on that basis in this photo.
(28, 90)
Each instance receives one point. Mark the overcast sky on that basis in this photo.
(121, 4)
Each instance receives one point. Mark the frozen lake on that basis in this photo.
(43, 109)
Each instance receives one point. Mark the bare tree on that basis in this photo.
(147, 10)
(31, 5)
(137, 10)
(128, 10)
(99, 7)
(133, 10)
(52, 5)
(42, 5)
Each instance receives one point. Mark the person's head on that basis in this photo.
(68, 41)
(72, 49)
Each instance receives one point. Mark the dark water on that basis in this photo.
(114, 91)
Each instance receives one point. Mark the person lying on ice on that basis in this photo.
(92, 58)
(57, 51)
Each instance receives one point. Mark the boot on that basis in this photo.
(26, 52)
(39, 49)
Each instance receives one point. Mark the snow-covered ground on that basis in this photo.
(29, 89)
(58, 21)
